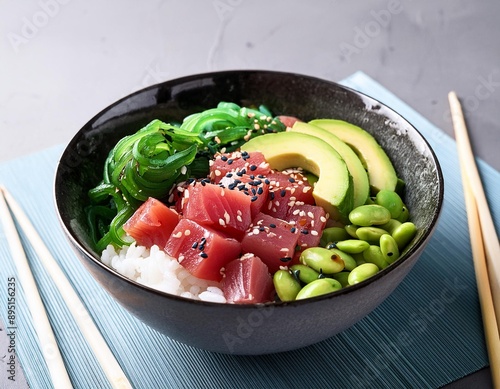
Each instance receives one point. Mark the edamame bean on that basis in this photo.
(322, 260)
(404, 234)
(318, 288)
(391, 201)
(351, 230)
(349, 262)
(352, 246)
(304, 273)
(341, 277)
(368, 215)
(359, 259)
(404, 216)
(370, 234)
(287, 287)
(374, 255)
(370, 200)
(389, 248)
(362, 272)
(333, 234)
(391, 225)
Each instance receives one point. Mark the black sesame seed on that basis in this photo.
(283, 193)
(304, 231)
(262, 228)
(254, 198)
(267, 181)
(195, 244)
(204, 255)
(272, 225)
(291, 179)
(229, 175)
(224, 158)
(253, 167)
(271, 195)
(286, 259)
(260, 191)
(229, 161)
(293, 229)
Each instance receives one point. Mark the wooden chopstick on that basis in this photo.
(103, 354)
(483, 240)
(472, 178)
(46, 338)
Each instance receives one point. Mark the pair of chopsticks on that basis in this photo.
(47, 340)
(484, 240)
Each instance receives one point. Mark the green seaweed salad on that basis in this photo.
(149, 162)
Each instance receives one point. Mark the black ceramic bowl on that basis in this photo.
(248, 329)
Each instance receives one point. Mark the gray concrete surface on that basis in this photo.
(62, 61)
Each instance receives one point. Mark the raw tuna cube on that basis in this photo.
(286, 189)
(255, 187)
(272, 240)
(242, 162)
(217, 207)
(152, 223)
(310, 221)
(288, 121)
(247, 281)
(201, 250)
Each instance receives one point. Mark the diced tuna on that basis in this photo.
(218, 207)
(286, 189)
(238, 162)
(247, 281)
(203, 251)
(272, 240)
(152, 223)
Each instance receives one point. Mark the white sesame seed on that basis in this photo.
(256, 126)
(239, 218)
(180, 259)
(184, 169)
(217, 172)
(227, 217)
(222, 222)
(323, 219)
(314, 232)
(178, 235)
(310, 214)
(187, 232)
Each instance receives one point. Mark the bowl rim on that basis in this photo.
(345, 290)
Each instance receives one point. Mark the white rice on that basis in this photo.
(156, 269)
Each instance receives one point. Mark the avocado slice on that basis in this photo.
(356, 169)
(334, 189)
(381, 173)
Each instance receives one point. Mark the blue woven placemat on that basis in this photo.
(426, 334)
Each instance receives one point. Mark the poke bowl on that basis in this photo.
(248, 288)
